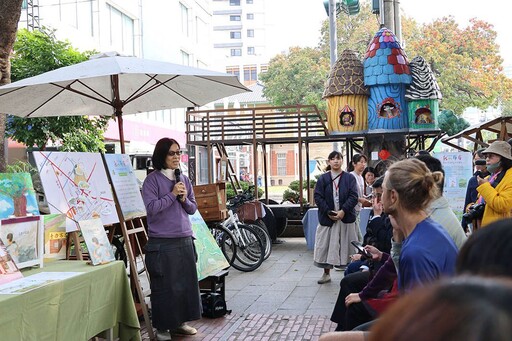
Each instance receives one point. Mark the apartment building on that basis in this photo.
(239, 38)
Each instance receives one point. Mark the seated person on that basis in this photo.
(378, 233)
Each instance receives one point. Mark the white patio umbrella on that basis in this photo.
(113, 84)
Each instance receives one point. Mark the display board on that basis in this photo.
(458, 169)
(210, 257)
(126, 185)
(76, 184)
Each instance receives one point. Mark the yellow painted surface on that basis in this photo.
(358, 103)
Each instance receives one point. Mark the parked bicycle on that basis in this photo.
(241, 243)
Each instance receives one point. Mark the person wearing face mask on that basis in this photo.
(336, 197)
(170, 252)
(496, 191)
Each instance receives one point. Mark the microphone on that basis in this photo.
(177, 174)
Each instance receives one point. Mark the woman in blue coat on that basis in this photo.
(336, 196)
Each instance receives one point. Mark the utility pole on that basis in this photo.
(333, 40)
(391, 11)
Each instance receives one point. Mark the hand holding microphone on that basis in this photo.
(181, 187)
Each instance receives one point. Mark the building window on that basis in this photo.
(281, 164)
(234, 18)
(263, 68)
(250, 74)
(248, 2)
(235, 35)
(250, 33)
(185, 58)
(184, 19)
(233, 70)
(250, 51)
(250, 16)
(121, 31)
(236, 52)
(234, 2)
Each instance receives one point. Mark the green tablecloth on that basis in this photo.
(77, 308)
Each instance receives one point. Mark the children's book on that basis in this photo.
(8, 269)
(98, 246)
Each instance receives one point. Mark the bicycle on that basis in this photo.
(237, 203)
(240, 243)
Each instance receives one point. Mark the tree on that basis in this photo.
(38, 52)
(296, 78)
(466, 63)
(10, 11)
(353, 32)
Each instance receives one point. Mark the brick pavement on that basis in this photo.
(279, 301)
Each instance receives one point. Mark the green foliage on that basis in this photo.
(465, 61)
(38, 52)
(450, 123)
(292, 192)
(14, 184)
(296, 78)
(230, 192)
(290, 195)
(21, 167)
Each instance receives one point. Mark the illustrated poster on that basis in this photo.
(98, 246)
(125, 183)
(55, 236)
(23, 238)
(17, 195)
(76, 184)
(8, 269)
(210, 257)
(458, 170)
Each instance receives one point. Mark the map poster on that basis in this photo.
(126, 185)
(76, 184)
(458, 170)
(210, 257)
(17, 195)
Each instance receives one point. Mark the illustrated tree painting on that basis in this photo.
(18, 195)
(10, 12)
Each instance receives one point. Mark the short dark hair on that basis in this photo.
(161, 150)
(378, 182)
(334, 154)
(369, 170)
(355, 159)
(487, 251)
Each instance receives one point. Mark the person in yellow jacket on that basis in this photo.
(496, 190)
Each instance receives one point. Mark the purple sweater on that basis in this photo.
(167, 216)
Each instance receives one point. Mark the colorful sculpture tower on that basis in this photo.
(423, 95)
(346, 95)
(386, 74)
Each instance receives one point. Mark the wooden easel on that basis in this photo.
(72, 237)
(131, 232)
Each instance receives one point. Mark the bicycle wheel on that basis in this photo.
(261, 229)
(250, 251)
(226, 242)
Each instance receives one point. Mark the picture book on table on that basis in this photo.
(55, 236)
(8, 269)
(98, 246)
(24, 240)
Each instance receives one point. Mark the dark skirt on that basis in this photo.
(175, 296)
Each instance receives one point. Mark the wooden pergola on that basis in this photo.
(502, 126)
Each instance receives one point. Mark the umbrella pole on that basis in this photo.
(119, 116)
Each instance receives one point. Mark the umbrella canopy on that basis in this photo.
(117, 85)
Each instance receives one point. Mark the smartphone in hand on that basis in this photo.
(361, 249)
(332, 213)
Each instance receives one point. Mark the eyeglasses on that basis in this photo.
(171, 153)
